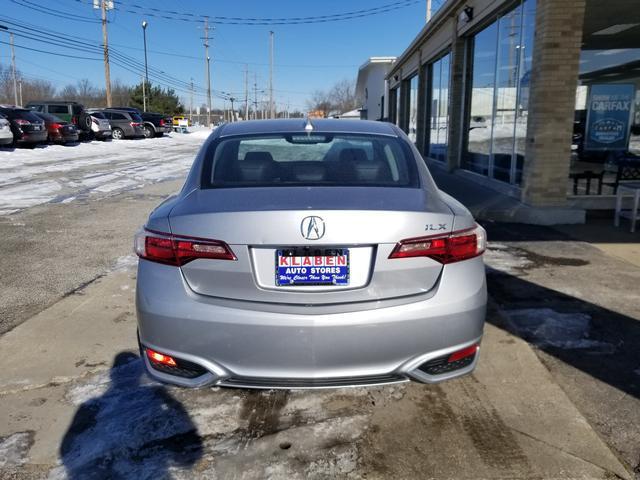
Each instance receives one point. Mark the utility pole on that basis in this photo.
(246, 92)
(255, 96)
(13, 67)
(272, 112)
(20, 89)
(105, 46)
(428, 10)
(191, 101)
(208, 59)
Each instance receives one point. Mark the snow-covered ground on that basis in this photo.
(61, 174)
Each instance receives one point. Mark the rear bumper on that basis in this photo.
(102, 134)
(255, 345)
(33, 137)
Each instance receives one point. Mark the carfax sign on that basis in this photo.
(609, 116)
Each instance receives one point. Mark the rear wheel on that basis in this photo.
(148, 131)
(117, 134)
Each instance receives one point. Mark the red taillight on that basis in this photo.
(55, 126)
(450, 248)
(161, 122)
(135, 124)
(464, 353)
(161, 358)
(173, 250)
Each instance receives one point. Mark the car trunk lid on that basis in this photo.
(258, 223)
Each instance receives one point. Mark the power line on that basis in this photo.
(198, 18)
(59, 14)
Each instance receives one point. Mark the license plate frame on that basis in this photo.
(324, 267)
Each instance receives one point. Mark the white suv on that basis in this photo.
(6, 135)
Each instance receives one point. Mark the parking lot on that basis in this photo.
(556, 393)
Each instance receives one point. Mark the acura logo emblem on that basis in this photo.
(312, 228)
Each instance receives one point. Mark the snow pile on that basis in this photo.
(501, 258)
(14, 449)
(63, 174)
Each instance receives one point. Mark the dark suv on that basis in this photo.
(27, 128)
(124, 124)
(72, 112)
(154, 124)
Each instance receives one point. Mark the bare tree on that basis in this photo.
(340, 98)
(32, 89)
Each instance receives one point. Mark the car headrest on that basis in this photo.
(353, 155)
(257, 167)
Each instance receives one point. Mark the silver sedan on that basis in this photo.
(309, 253)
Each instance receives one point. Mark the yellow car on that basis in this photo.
(177, 118)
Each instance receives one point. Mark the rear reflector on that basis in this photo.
(450, 248)
(158, 357)
(176, 250)
(464, 353)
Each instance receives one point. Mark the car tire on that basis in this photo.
(148, 131)
(85, 122)
(117, 134)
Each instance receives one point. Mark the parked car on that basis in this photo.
(154, 124)
(100, 125)
(58, 130)
(177, 118)
(6, 135)
(72, 112)
(309, 254)
(28, 130)
(124, 124)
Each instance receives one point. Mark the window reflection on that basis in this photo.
(499, 96)
(439, 108)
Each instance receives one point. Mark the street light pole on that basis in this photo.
(146, 69)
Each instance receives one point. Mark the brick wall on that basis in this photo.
(552, 101)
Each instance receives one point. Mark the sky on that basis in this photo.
(307, 57)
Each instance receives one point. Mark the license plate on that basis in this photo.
(330, 267)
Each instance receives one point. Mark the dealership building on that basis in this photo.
(538, 100)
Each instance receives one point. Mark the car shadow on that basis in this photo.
(135, 429)
(593, 339)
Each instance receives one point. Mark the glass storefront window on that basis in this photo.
(410, 113)
(499, 96)
(439, 108)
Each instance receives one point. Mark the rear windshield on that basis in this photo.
(315, 159)
(98, 115)
(48, 117)
(27, 115)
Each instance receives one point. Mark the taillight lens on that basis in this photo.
(175, 250)
(450, 248)
(161, 122)
(55, 126)
(161, 358)
(134, 124)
